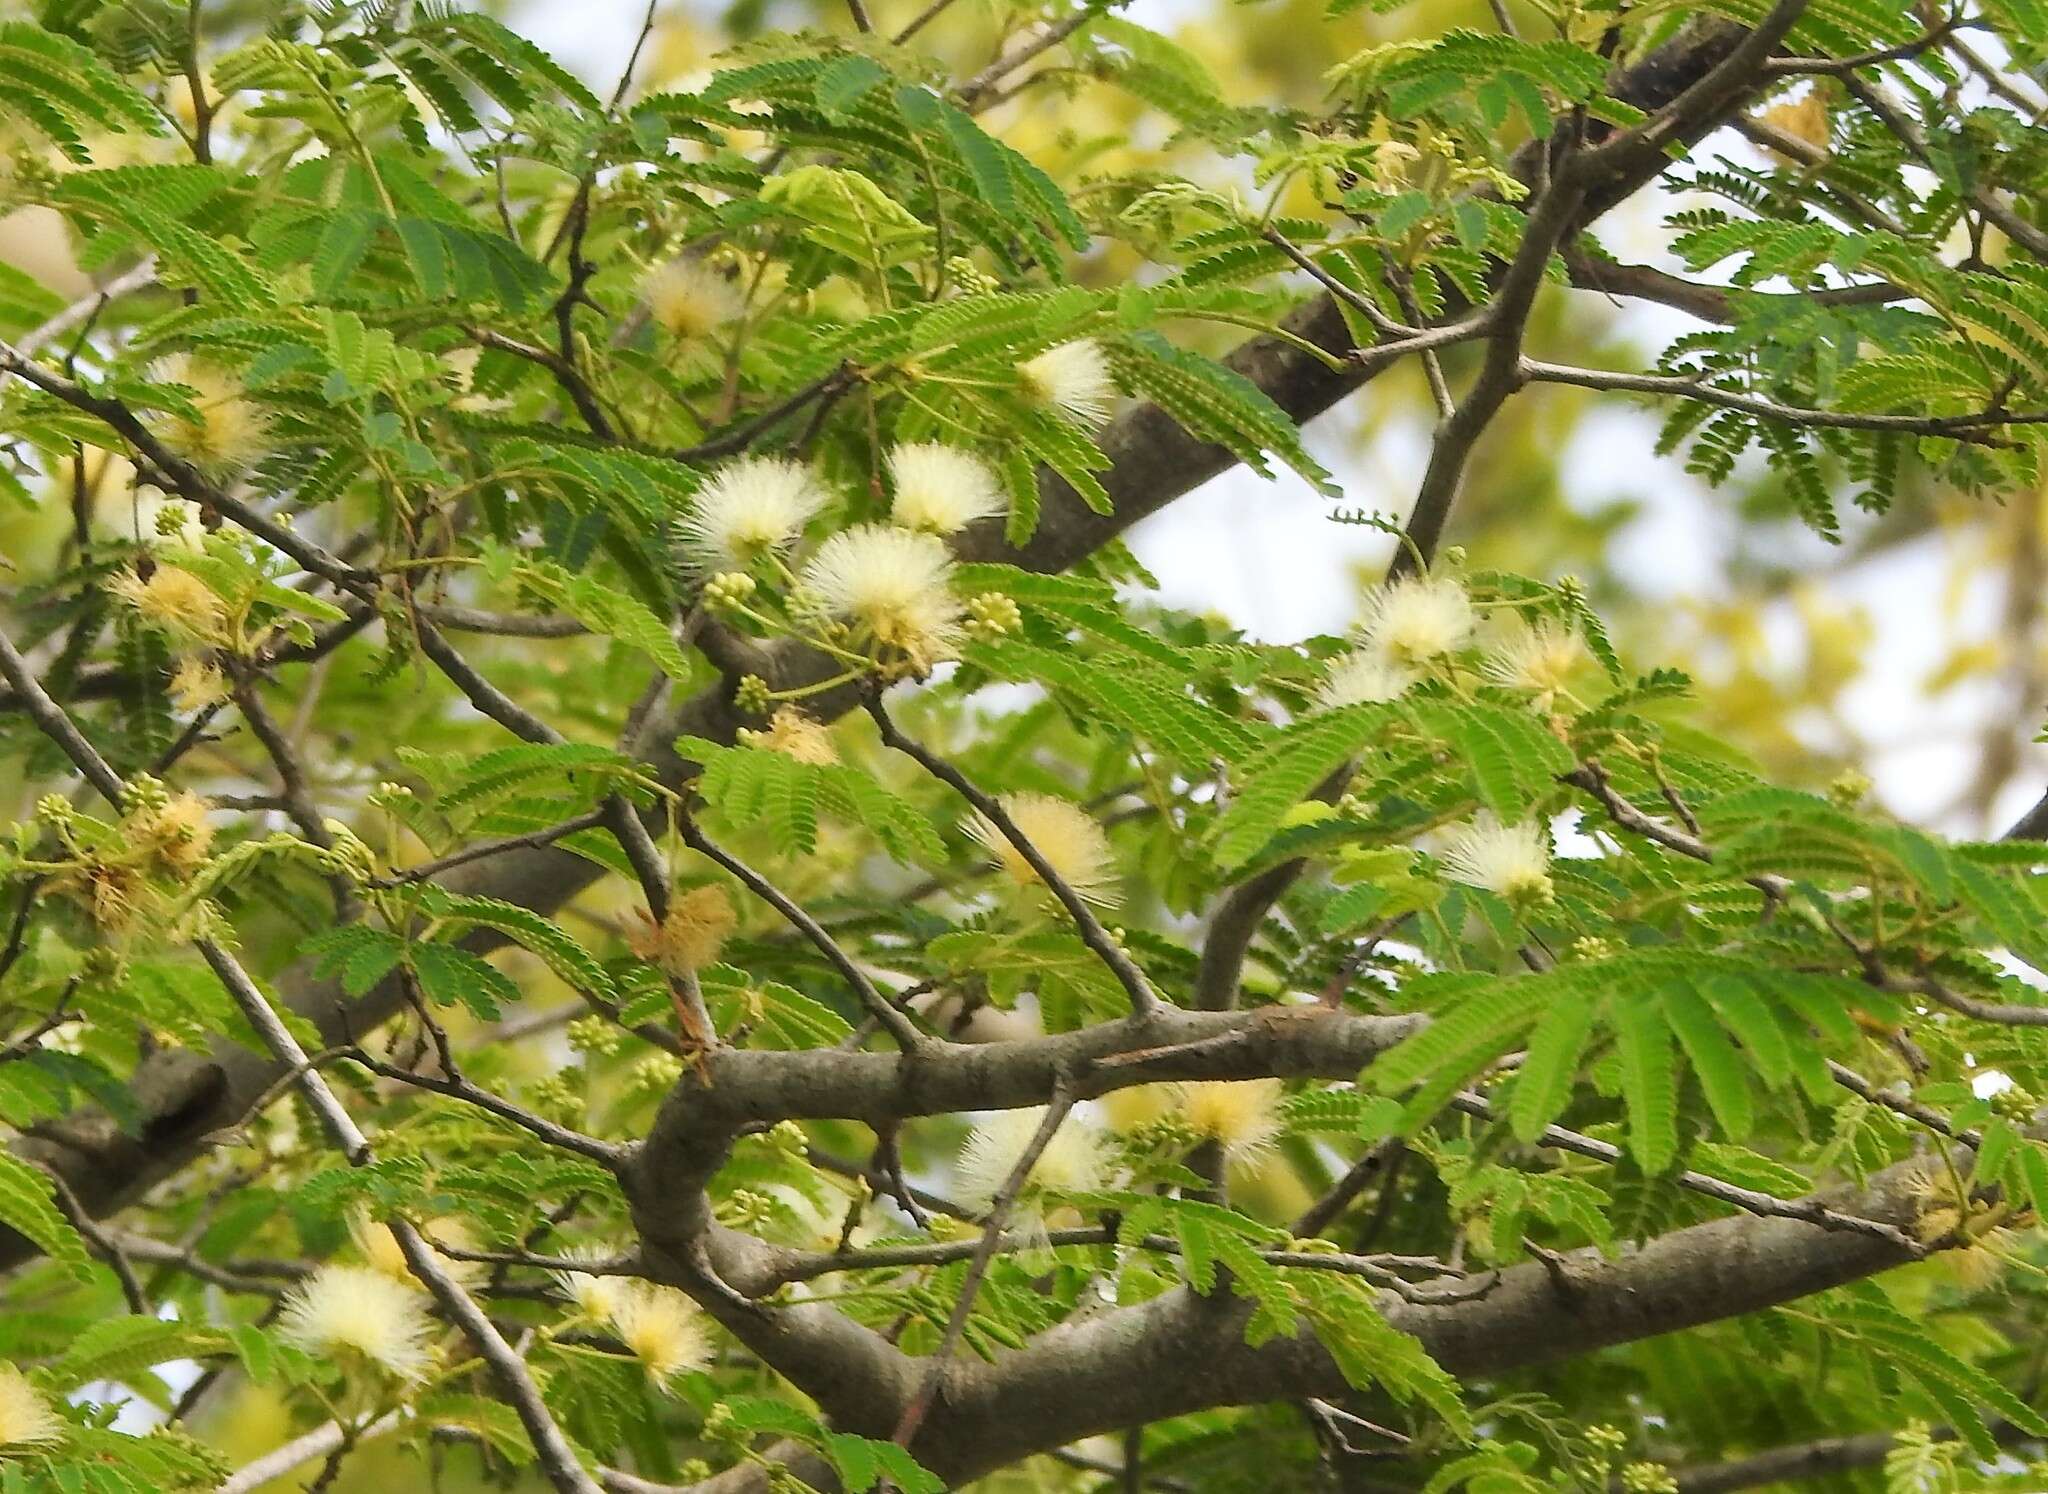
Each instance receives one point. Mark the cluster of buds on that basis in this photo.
(993, 615)
(556, 1097)
(658, 1073)
(595, 1037)
(750, 1209)
(1849, 788)
(728, 590)
(970, 277)
(751, 695)
(1606, 1440)
(1589, 947)
(1648, 1478)
(2015, 1103)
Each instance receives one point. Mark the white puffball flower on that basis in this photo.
(1419, 619)
(749, 508)
(940, 488)
(225, 431)
(892, 585)
(1064, 834)
(1074, 1160)
(1365, 676)
(1073, 381)
(688, 298)
(594, 1297)
(1539, 659)
(1510, 860)
(662, 1329)
(26, 1419)
(359, 1309)
(1242, 1116)
(1138, 1106)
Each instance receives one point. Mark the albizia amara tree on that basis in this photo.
(618, 885)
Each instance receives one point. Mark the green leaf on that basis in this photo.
(449, 976)
(27, 1204)
(568, 959)
(1280, 775)
(1649, 1082)
(1543, 1084)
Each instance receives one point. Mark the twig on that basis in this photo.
(1749, 1200)
(566, 373)
(606, 1154)
(879, 1007)
(1143, 999)
(1459, 432)
(86, 307)
(502, 624)
(972, 90)
(984, 1253)
(741, 436)
(1956, 427)
(531, 840)
(181, 474)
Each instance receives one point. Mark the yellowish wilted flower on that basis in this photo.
(1805, 119)
(197, 684)
(1419, 619)
(379, 1249)
(662, 1329)
(360, 1310)
(1241, 1116)
(1138, 1106)
(1073, 1161)
(748, 509)
(699, 922)
(940, 488)
(894, 586)
(113, 892)
(1979, 1265)
(26, 1419)
(1365, 676)
(225, 431)
(1540, 659)
(1073, 381)
(176, 601)
(793, 734)
(1512, 861)
(689, 298)
(1064, 834)
(178, 832)
(597, 1298)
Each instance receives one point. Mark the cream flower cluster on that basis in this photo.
(1075, 1160)
(1240, 1116)
(892, 589)
(1066, 837)
(224, 430)
(363, 1314)
(1411, 625)
(659, 1326)
(882, 589)
(26, 1419)
(1511, 861)
(1073, 381)
(689, 299)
